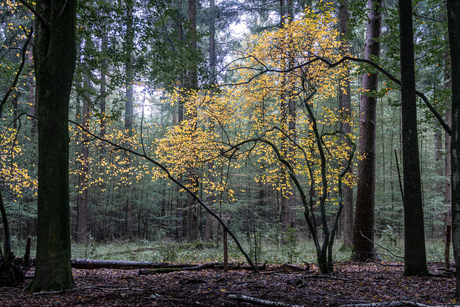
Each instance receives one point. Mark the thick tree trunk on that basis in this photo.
(414, 231)
(345, 107)
(54, 55)
(453, 17)
(363, 231)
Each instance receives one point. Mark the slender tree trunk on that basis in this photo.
(129, 109)
(54, 56)
(414, 232)
(284, 96)
(192, 83)
(345, 107)
(103, 89)
(32, 104)
(288, 123)
(82, 197)
(211, 198)
(6, 231)
(447, 158)
(363, 230)
(453, 17)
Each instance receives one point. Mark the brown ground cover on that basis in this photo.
(351, 283)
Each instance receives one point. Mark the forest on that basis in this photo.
(303, 144)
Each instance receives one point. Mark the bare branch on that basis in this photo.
(15, 81)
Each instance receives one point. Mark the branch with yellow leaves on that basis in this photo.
(170, 177)
(265, 69)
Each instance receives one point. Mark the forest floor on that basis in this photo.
(351, 283)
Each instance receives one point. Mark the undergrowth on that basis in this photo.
(294, 249)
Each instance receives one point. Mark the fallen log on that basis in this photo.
(253, 300)
(394, 304)
(124, 265)
(204, 266)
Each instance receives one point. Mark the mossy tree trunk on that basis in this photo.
(54, 55)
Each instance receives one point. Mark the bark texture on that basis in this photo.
(54, 55)
(414, 231)
(453, 17)
(363, 230)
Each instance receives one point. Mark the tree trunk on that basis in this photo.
(210, 227)
(287, 125)
(129, 109)
(32, 104)
(192, 83)
(414, 231)
(448, 159)
(82, 196)
(345, 107)
(54, 55)
(453, 17)
(363, 247)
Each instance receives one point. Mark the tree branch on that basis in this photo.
(316, 58)
(18, 74)
(170, 177)
(35, 13)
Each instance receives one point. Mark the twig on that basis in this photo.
(399, 177)
(253, 300)
(392, 304)
(18, 74)
(394, 255)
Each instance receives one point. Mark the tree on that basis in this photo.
(248, 130)
(345, 108)
(453, 13)
(54, 61)
(82, 197)
(363, 233)
(192, 83)
(414, 231)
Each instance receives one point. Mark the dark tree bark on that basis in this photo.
(363, 230)
(448, 162)
(54, 55)
(453, 17)
(345, 107)
(414, 231)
